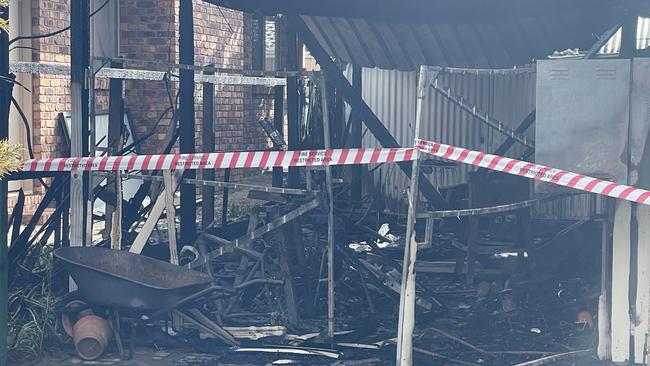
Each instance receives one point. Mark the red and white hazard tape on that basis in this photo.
(223, 160)
(534, 171)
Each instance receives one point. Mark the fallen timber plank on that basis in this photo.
(228, 246)
(149, 225)
(553, 358)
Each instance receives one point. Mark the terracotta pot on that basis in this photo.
(91, 336)
(68, 323)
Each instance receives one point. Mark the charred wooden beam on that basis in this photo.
(602, 41)
(114, 144)
(278, 123)
(226, 195)
(293, 105)
(186, 122)
(200, 182)
(207, 140)
(351, 95)
(20, 247)
(17, 216)
(79, 139)
(228, 246)
(291, 300)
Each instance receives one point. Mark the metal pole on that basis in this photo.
(330, 212)
(186, 121)
(406, 323)
(207, 140)
(355, 135)
(5, 100)
(224, 206)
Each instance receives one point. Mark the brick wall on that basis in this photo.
(50, 94)
(224, 38)
(149, 31)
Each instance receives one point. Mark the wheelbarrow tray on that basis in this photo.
(128, 281)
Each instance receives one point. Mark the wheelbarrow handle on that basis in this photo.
(159, 313)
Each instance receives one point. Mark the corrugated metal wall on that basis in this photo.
(506, 96)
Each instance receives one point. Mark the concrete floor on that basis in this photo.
(141, 357)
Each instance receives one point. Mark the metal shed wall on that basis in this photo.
(508, 96)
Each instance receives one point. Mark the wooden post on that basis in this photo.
(289, 290)
(207, 140)
(186, 121)
(224, 203)
(170, 188)
(114, 144)
(116, 216)
(406, 323)
(330, 212)
(293, 114)
(472, 248)
(80, 57)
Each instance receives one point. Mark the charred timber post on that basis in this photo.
(226, 193)
(354, 99)
(207, 140)
(186, 121)
(292, 104)
(115, 123)
(278, 123)
(5, 103)
(330, 212)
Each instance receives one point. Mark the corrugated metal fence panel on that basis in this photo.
(613, 46)
(508, 97)
(392, 95)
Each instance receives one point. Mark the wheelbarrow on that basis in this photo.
(133, 284)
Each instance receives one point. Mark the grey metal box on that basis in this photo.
(583, 109)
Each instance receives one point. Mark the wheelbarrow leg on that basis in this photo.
(115, 323)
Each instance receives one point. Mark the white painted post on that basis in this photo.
(604, 349)
(620, 325)
(406, 323)
(643, 284)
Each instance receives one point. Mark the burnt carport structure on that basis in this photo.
(406, 34)
(458, 34)
(365, 33)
